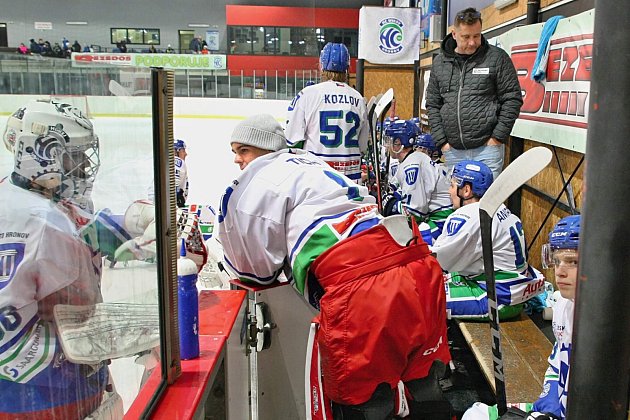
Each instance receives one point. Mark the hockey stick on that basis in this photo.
(385, 179)
(117, 89)
(516, 174)
(382, 106)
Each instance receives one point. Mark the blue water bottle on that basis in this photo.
(188, 306)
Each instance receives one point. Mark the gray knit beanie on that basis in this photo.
(262, 131)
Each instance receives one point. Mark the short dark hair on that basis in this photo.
(468, 16)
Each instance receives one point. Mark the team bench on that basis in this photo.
(525, 353)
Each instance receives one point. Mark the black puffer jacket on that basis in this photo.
(469, 102)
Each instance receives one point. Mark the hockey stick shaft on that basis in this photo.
(381, 108)
(497, 352)
(515, 175)
(386, 172)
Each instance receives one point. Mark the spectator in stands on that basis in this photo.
(35, 48)
(57, 51)
(22, 49)
(76, 47)
(170, 50)
(47, 48)
(152, 49)
(122, 46)
(205, 50)
(195, 45)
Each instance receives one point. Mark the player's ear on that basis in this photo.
(467, 191)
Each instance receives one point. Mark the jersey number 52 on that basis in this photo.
(335, 128)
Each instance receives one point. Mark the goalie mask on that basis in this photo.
(55, 149)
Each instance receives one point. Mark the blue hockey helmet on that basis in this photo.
(334, 57)
(474, 172)
(406, 131)
(179, 144)
(426, 141)
(565, 235)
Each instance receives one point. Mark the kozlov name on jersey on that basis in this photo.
(341, 99)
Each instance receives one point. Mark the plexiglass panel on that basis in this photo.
(79, 321)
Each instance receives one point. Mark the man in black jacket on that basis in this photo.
(473, 96)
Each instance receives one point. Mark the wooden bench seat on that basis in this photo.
(525, 353)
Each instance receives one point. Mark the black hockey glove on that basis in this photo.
(514, 414)
(536, 415)
(181, 200)
(390, 202)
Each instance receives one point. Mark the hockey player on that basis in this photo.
(181, 172)
(422, 186)
(561, 253)
(458, 249)
(43, 262)
(329, 119)
(289, 211)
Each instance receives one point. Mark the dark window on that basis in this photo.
(135, 36)
(269, 40)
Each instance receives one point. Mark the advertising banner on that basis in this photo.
(555, 110)
(168, 61)
(389, 35)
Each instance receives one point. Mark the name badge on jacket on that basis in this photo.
(482, 70)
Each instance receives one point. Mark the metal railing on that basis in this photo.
(56, 76)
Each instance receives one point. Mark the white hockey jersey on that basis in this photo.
(329, 119)
(553, 398)
(423, 186)
(288, 207)
(181, 177)
(42, 262)
(458, 249)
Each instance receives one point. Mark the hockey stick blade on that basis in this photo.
(516, 174)
(117, 89)
(384, 102)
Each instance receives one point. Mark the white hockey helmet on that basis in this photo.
(54, 147)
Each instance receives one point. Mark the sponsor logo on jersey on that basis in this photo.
(454, 225)
(411, 175)
(391, 35)
(533, 288)
(11, 256)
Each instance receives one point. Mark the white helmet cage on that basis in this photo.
(54, 147)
